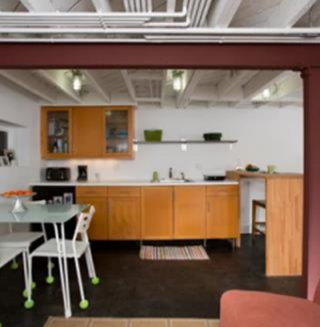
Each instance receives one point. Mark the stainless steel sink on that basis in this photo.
(176, 180)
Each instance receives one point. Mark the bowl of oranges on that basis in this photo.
(17, 195)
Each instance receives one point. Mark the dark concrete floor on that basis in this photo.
(131, 287)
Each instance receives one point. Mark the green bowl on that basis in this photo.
(253, 170)
(154, 135)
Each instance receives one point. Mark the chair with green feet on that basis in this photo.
(75, 249)
(25, 240)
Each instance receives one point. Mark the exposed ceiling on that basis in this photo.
(205, 88)
(160, 21)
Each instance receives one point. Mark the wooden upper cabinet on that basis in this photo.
(119, 132)
(88, 132)
(190, 212)
(157, 213)
(56, 133)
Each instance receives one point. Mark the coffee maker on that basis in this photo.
(82, 173)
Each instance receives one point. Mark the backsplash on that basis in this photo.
(265, 136)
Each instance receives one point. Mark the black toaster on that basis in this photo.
(58, 174)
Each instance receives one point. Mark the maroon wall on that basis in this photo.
(207, 56)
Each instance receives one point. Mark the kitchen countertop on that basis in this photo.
(237, 174)
(134, 183)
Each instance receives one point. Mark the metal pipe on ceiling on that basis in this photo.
(164, 39)
(253, 32)
(68, 15)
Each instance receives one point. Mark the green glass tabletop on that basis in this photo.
(49, 213)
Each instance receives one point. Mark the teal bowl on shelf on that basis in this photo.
(153, 135)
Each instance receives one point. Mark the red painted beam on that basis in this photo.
(203, 56)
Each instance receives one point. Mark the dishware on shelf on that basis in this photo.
(212, 136)
(154, 135)
(252, 168)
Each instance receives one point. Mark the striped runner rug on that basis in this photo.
(173, 253)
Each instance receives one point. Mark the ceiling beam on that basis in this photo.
(222, 13)
(142, 75)
(284, 88)
(148, 100)
(285, 15)
(184, 96)
(163, 87)
(93, 80)
(205, 93)
(127, 81)
(59, 79)
(38, 5)
(288, 13)
(171, 6)
(259, 82)
(102, 5)
(31, 84)
(235, 80)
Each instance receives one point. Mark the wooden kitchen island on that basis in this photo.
(284, 220)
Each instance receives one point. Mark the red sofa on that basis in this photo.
(257, 309)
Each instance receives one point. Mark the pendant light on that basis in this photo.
(177, 80)
(76, 80)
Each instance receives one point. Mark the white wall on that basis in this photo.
(265, 136)
(18, 109)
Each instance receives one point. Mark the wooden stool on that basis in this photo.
(255, 224)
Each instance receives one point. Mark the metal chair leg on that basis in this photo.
(83, 303)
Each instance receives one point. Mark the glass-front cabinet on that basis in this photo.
(56, 133)
(118, 132)
(94, 132)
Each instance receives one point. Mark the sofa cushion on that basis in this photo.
(257, 309)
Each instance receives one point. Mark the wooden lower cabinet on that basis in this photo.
(124, 218)
(223, 217)
(189, 212)
(163, 212)
(157, 213)
(98, 230)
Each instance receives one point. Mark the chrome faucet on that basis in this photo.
(170, 173)
(183, 176)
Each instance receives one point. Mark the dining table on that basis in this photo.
(57, 215)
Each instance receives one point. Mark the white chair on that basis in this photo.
(24, 240)
(8, 254)
(74, 249)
